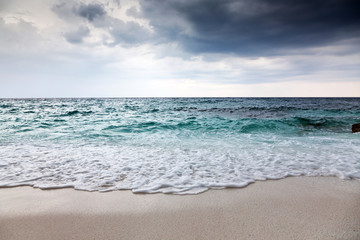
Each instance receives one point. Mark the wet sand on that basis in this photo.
(291, 208)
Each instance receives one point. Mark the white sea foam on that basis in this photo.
(180, 167)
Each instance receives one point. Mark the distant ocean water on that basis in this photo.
(175, 145)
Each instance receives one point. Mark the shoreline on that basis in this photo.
(290, 208)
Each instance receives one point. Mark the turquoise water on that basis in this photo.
(175, 145)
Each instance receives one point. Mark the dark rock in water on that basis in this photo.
(355, 128)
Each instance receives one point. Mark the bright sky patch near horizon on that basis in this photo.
(179, 48)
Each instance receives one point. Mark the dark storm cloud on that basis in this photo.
(253, 27)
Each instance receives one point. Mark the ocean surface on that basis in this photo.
(175, 145)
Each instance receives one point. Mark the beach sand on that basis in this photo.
(291, 208)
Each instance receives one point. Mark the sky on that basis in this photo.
(179, 48)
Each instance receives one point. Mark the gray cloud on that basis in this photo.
(78, 35)
(21, 36)
(68, 10)
(257, 27)
(117, 2)
(90, 11)
(63, 10)
(128, 33)
(133, 12)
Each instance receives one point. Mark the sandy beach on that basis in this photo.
(291, 208)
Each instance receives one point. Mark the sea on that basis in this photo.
(175, 145)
